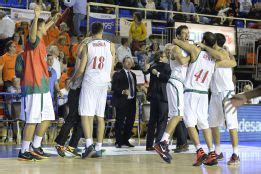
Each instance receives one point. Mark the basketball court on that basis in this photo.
(131, 160)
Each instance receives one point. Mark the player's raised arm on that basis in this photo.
(177, 54)
(218, 54)
(33, 32)
(193, 50)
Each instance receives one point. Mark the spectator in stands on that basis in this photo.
(25, 27)
(124, 50)
(74, 50)
(223, 14)
(124, 100)
(52, 34)
(167, 5)
(54, 51)
(109, 10)
(153, 49)
(64, 32)
(63, 47)
(141, 57)
(53, 80)
(7, 62)
(37, 2)
(18, 41)
(188, 7)
(157, 95)
(150, 4)
(79, 11)
(7, 30)
(244, 8)
(137, 33)
(53, 5)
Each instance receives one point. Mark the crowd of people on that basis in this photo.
(223, 9)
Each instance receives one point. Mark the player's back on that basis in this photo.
(200, 73)
(99, 63)
(222, 80)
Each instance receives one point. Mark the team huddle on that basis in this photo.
(195, 68)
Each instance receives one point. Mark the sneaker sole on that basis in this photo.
(40, 156)
(160, 154)
(199, 163)
(32, 160)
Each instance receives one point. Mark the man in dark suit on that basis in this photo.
(157, 95)
(124, 100)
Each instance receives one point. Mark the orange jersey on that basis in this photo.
(8, 62)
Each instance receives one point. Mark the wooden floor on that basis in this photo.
(125, 161)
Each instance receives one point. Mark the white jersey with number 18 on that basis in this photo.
(98, 68)
(200, 73)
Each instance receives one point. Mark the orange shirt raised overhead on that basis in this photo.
(51, 35)
(8, 63)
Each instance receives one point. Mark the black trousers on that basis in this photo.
(181, 133)
(158, 120)
(73, 120)
(125, 117)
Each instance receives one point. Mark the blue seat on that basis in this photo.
(240, 24)
(16, 4)
(5, 3)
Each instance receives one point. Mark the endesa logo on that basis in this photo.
(249, 126)
(108, 25)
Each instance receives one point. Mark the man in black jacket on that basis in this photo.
(157, 95)
(124, 100)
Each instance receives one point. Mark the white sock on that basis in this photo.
(235, 150)
(37, 141)
(25, 146)
(165, 137)
(198, 146)
(211, 149)
(217, 149)
(89, 142)
(98, 146)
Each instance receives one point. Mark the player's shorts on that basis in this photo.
(196, 110)
(217, 115)
(92, 100)
(175, 94)
(36, 108)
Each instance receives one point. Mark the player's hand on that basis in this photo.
(154, 71)
(37, 11)
(235, 102)
(201, 45)
(56, 17)
(126, 92)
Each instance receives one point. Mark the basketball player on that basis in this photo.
(178, 64)
(97, 61)
(37, 101)
(222, 88)
(197, 82)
